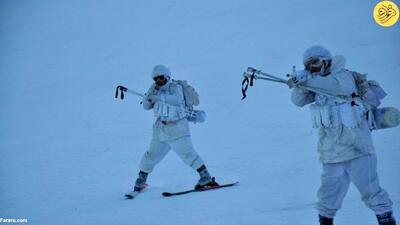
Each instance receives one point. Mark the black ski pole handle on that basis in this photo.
(245, 85)
(122, 89)
(246, 82)
(116, 92)
(251, 79)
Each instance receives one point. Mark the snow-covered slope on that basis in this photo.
(69, 149)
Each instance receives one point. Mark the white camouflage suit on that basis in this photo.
(171, 128)
(345, 144)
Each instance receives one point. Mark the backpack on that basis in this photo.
(189, 93)
(372, 93)
(369, 91)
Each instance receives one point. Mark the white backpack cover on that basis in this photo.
(191, 99)
(372, 93)
(189, 93)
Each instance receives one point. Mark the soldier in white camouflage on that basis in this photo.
(345, 144)
(170, 130)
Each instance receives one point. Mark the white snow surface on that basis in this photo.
(69, 150)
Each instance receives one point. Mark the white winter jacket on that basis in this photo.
(343, 129)
(168, 105)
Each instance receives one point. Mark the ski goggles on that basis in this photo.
(159, 77)
(313, 63)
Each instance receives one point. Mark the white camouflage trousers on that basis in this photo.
(336, 179)
(158, 150)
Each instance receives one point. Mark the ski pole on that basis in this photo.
(188, 110)
(135, 93)
(123, 89)
(258, 74)
(253, 73)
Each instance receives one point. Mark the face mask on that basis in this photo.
(160, 80)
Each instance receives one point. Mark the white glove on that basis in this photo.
(152, 90)
(153, 98)
(298, 77)
(292, 82)
(151, 94)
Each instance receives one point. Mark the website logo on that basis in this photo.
(386, 13)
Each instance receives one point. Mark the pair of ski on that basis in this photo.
(133, 194)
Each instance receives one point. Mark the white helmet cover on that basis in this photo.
(160, 70)
(321, 53)
(316, 51)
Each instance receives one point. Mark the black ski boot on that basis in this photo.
(386, 219)
(140, 183)
(325, 220)
(205, 180)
